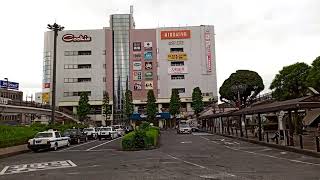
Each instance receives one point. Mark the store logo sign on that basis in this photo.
(177, 56)
(178, 34)
(177, 70)
(73, 38)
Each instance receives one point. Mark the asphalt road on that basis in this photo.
(197, 156)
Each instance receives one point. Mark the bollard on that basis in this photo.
(277, 140)
(267, 134)
(301, 143)
(317, 144)
(236, 132)
(287, 138)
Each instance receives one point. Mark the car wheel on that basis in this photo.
(55, 147)
(68, 144)
(35, 150)
(78, 141)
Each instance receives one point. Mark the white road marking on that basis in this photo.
(77, 146)
(236, 142)
(275, 157)
(186, 142)
(283, 153)
(205, 138)
(22, 168)
(187, 162)
(102, 144)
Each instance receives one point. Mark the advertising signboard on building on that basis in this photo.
(137, 85)
(207, 39)
(177, 56)
(178, 70)
(137, 56)
(10, 85)
(176, 34)
(148, 55)
(46, 85)
(148, 75)
(136, 46)
(45, 97)
(137, 75)
(148, 85)
(73, 38)
(148, 65)
(147, 46)
(136, 66)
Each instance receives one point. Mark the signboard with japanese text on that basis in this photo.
(4, 84)
(177, 70)
(137, 75)
(136, 66)
(147, 46)
(148, 55)
(137, 56)
(176, 34)
(148, 85)
(148, 65)
(137, 85)
(45, 98)
(136, 46)
(207, 39)
(177, 56)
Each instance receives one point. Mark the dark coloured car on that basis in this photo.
(76, 135)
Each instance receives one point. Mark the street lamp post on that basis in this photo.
(55, 28)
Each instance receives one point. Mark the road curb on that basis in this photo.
(286, 148)
(13, 152)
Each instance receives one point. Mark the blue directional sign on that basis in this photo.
(12, 85)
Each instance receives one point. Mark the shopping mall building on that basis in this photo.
(118, 57)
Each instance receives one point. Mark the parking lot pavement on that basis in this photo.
(198, 156)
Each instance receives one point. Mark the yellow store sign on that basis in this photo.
(177, 56)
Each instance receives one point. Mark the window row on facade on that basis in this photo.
(70, 94)
(77, 53)
(77, 66)
(76, 80)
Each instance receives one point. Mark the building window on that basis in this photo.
(173, 77)
(84, 66)
(177, 63)
(176, 50)
(180, 90)
(70, 94)
(84, 53)
(84, 79)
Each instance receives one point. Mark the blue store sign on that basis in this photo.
(12, 85)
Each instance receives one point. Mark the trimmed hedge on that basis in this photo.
(145, 137)
(17, 135)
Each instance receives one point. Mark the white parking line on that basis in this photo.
(275, 157)
(77, 146)
(187, 162)
(102, 144)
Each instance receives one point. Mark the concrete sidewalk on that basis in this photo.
(14, 150)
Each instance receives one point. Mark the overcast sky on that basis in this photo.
(259, 35)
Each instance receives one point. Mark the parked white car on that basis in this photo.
(91, 133)
(120, 129)
(48, 140)
(107, 133)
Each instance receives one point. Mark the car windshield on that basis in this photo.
(43, 135)
(70, 131)
(88, 129)
(183, 125)
(105, 129)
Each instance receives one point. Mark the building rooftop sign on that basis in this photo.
(73, 38)
(11, 85)
(177, 34)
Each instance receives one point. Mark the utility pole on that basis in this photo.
(55, 28)
(7, 87)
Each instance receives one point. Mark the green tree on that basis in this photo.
(128, 105)
(313, 78)
(105, 105)
(84, 106)
(197, 101)
(244, 85)
(290, 82)
(151, 107)
(175, 103)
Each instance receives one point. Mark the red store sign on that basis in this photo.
(73, 38)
